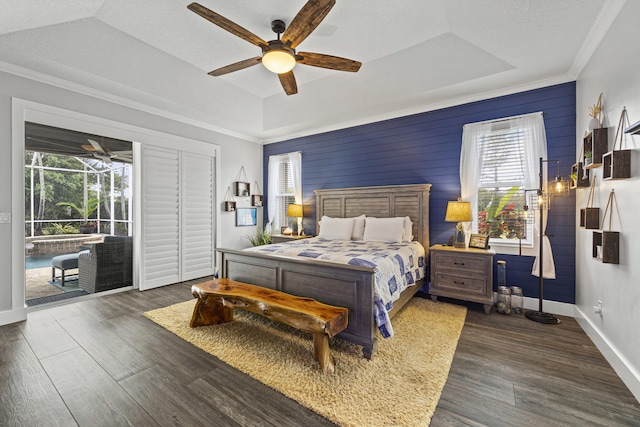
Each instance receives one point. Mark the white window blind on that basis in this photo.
(501, 195)
(285, 195)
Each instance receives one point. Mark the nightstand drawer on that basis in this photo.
(460, 284)
(461, 262)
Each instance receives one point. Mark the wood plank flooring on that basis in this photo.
(99, 362)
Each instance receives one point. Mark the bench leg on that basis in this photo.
(210, 312)
(322, 353)
(62, 279)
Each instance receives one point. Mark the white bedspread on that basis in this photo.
(397, 266)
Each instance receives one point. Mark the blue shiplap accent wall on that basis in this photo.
(425, 148)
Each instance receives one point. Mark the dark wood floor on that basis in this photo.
(100, 362)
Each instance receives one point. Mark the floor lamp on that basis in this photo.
(559, 187)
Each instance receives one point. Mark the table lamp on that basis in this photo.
(459, 212)
(295, 210)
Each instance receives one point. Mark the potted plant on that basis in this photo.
(594, 112)
(588, 157)
(85, 212)
(262, 237)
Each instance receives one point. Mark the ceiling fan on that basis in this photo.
(104, 154)
(279, 56)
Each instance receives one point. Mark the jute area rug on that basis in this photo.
(400, 386)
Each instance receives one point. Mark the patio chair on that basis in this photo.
(108, 265)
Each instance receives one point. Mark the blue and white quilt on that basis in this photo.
(397, 265)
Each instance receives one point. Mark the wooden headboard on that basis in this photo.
(388, 201)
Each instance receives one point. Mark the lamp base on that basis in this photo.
(541, 317)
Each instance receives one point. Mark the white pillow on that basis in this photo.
(358, 228)
(384, 229)
(408, 230)
(336, 228)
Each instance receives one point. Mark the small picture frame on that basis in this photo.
(246, 217)
(479, 241)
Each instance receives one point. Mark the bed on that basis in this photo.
(350, 286)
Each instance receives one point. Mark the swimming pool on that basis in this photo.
(37, 261)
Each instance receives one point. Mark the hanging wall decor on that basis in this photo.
(606, 243)
(257, 198)
(241, 184)
(590, 216)
(594, 145)
(616, 164)
(579, 175)
(229, 204)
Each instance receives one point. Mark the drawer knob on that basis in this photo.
(458, 263)
(458, 283)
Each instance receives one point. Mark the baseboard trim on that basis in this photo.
(13, 316)
(629, 376)
(553, 307)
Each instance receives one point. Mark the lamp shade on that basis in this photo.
(458, 211)
(278, 61)
(294, 210)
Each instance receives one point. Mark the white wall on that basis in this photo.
(614, 70)
(234, 153)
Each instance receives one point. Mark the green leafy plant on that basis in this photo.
(56, 228)
(261, 237)
(500, 214)
(84, 211)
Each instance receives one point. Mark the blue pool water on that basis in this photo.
(37, 261)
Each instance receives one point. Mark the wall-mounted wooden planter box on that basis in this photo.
(606, 246)
(229, 206)
(616, 164)
(595, 142)
(590, 218)
(241, 189)
(257, 200)
(579, 172)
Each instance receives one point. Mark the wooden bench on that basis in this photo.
(217, 299)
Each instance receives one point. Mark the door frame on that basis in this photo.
(23, 111)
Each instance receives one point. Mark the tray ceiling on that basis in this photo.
(416, 55)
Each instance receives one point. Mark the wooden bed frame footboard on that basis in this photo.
(331, 283)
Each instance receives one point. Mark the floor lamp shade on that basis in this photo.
(459, 212)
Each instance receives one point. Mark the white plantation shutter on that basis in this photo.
(177, 216)
(160, 217)
(197, 216)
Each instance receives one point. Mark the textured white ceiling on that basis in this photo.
(416, 54)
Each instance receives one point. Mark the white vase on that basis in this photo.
(593, 124)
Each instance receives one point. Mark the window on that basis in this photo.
(499, 161)
(285, 188)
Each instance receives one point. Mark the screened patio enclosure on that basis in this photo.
(73, 178)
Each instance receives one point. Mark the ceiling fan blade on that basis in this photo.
(328, 61)
(288, 82)
(309, 17)
(236, 66)
(226, 24)
(95, 145)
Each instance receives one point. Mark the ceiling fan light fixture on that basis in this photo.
(278, 61)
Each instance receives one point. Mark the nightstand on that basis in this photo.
(280, 238)
(462, 273)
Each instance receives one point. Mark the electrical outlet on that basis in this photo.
(598, 308)
(5, 218)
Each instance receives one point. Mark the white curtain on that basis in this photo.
(272, 189)
(295, 161)
(471, 157)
